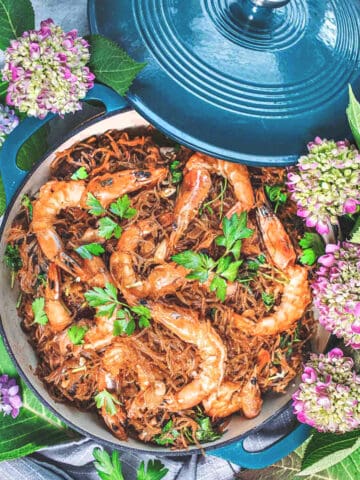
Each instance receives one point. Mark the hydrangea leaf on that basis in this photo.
(111, 64)
(33, 149)
(34, 428)
(353, 114)
(15, 18)
(327, 449)
(3, 90)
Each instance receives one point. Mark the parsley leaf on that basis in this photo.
(95, 207)
(200, 264)
(176, 176)
(76, 334)
(155, 470)
(108, 468)
(168, 435)
(26, 202)
(312, 246)
(107, 400)
(109, 228)
(38, 306)
(235, 230)
(80, 174)
(13, 261)
(103, 299)
(122, 208)
(355, 232)
(87, 251)
(232, 271)
(268, 299)
(218, 284)
(276, 195)
(124, 323)
(206, 433)
(144, 315)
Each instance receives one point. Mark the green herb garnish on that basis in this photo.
(176, 175)
(121, 208)
(312, 246)
(109, 228)
(95, 207)
(89, 250)
(76, 334)
(106, 303)
(80, 174)
(110, 468)
(276, 195)
(26, 202)
(13, 261)
(220, 197)
(168, 435)
(206, 432)
(38, 306)
(225, 268)
(268, 299)
(107, 400)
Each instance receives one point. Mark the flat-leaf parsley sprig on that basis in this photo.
(106, 302)
(110, 468)
(120, 209)
(202, 267)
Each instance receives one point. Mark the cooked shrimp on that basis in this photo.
(101, 335)
(196, 185)
(231, 398)
(57, 313)
(187, 326)
(54, 196)
(106, 188)
(296, 294)
(117, 422)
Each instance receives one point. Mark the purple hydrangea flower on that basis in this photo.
(10, 401)
(8, 121)
(46, 70)
(328, 398)
(336, 292)
(326, 183)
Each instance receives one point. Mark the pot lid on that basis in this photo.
(252, 81)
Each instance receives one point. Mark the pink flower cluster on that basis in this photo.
(328, 398)
(336, 292)
(46, 70)
(325, 183)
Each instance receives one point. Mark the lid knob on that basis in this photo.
(270, 3)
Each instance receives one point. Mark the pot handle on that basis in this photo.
(236, 453)
(12, 175)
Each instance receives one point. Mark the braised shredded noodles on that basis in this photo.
(75, 373)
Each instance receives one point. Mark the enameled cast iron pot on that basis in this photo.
(17, 183)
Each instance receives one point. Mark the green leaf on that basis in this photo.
(168, 435)
(353, 114)
(122, 209)
(188, 259)
(144, 315)
(327, 449)
(33, 149)
(80, 174)
(103, 299)
(355, 232)
(108, 228)
(313, 247)
(276, 195)
(206, 432)
(232, 271)
(223, 264)
(3, 90)
(2, 198)
(38, 306)
(15, 18)
(268, 299)
(12, 258)
(219, 285)
(108, 468)
(155, 470)
(89, 250)
(124, 324)
(95, 207)
(34, 428)
(107, 400)
(112, 65)
(26, 202)
(76, 334)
